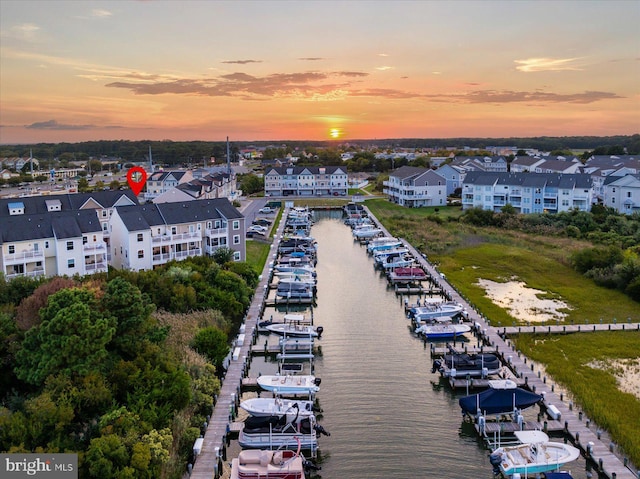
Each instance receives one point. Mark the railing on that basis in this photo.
(161, 257)
(94, 247)
(216, 231)
(32, 274)
(95, 266)
(175, 237)
(19, 257)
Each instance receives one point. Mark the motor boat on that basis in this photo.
(501, 397)
(277, 406)
(292, 328)
(462, 364)
(286, 431)
(261, 464)
(407, 274)
(435, 310)
(295, 290)
(535, 455)
(290, 384)
(442, 330)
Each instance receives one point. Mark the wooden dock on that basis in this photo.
(208, 464)
(583, 433)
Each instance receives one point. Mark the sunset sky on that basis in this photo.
(315, 70)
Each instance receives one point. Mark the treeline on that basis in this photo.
(120, 368)
(614, 261)
(197, 152)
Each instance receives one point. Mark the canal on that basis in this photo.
(389, 416)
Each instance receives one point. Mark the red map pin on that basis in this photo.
(136, 177)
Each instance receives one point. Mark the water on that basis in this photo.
(388, 415)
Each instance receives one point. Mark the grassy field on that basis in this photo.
(257, 254)
(595, 389)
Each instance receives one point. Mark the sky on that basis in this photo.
(74, 71)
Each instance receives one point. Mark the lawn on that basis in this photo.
(567, 359)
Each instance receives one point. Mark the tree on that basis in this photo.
(71, 340)
(250, 184)
(223, 255)
(114, 185)
(212, 343)
(83, 185)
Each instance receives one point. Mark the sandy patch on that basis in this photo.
(626, 372)
(523, 303)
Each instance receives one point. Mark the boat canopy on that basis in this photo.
(498, 401)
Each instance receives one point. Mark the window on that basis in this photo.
(139, 237)
(12, 249)
(71, 263)
(208, 224)
(140, 253)
(69, 245)
(236, 239)
(174, 230)
(104, 213)
(105, 226)
(95, 238)
(628, 194)
(85, 240)
(46, 244)
(236, 225)
(236, 255)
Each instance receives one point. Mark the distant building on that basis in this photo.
(415, 187)
(162, 181)
(527, 192)
(306, 181)
(622, 193)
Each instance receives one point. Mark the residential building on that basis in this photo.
(527, 192)
(306, 181)
(622, 193)
(454, 176)
(145, 236)
(415, 187)
(521, 164)
(51, 243)
(482, 163)
(162, 181)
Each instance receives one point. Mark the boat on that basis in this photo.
(287, 431)
(558, 475)
(295, 290)
(461, 364)
(277, 406)
(436, 310)
(407, 274)
(383, 243)
(299, 270)
(262, 464)
(535, 455)
(288, 276)
(442, 330)
(294, 328)
(303, 384)
(501, 397)
(365, 233)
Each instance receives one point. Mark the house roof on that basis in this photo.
(314, 170)
(557, 180)
(142, 217)
(70, 202)
(59, 224)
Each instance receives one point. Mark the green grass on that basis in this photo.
(567, 358)
(257, 254)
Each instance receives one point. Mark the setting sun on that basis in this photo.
(335, 133)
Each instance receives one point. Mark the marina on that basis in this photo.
(356, 379)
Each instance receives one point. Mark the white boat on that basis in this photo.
(276, 406)
(261, 464)
(435, 310)
(303, 384)
(381, 256)
(292, 328)
(293, 269)
(288, 276)
(383, 243)
(295, 290)
(366, 231)
(536, 454)
(442, 330)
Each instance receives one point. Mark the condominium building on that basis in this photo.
(306, 181)
(415, 187)
(527, 192)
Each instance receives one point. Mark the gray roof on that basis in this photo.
(59, 224)
(405, 172)
(68, 202)
(142, 217)
(552, 180)
(315, 170)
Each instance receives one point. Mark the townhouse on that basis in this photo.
(415, 187)
(306, 181)
(51, 243)
(162, 181)
(145, 236)
(527, 192)
(622, 193)
(454, 176)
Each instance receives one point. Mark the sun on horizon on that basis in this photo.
(335, 133)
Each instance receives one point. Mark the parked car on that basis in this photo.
(265, 210)
(257, 229)
(261, 222)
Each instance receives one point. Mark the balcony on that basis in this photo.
(28, 256)
(176, 238)
(94, 248)
(98, 267)
(216, 231)
(30, 274)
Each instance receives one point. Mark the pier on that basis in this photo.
(583, 433)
